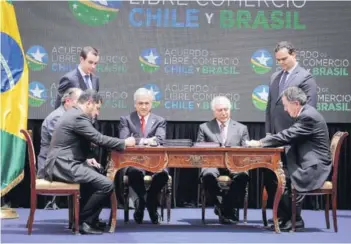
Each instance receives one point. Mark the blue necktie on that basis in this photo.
(87, 81)
(282, 81)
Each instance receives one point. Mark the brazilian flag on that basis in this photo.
(14, 99)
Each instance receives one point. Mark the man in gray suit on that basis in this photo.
(292, 74)
(309, 135)
(69, 99)
(81, 77)
(148, 128)
(70, 158)
(227, 132)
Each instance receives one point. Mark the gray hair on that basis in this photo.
(220, 100)
(143, 92)
(295, 94)
(71, 93)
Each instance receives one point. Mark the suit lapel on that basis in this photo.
(291, 81)
(136, 122)
(94, 81)
(82, 84)
(230, 131)
(216, 130)
(149, 124)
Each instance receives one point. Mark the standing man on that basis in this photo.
(70, 158)
(292, 74)
(81, 77)
(309, 135)
(148, 128)
(227, 132)
(68, 100)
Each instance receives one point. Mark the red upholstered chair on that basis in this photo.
(330, 187)
(44, 187)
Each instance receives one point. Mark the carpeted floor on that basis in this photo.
(185, 226)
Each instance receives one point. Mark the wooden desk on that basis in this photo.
(236, 159)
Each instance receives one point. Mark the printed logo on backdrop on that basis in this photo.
(187, 14)
(261, 61)
(198, 61)
(95, 13)
(150, 60)
(66, 58)
(260, 97)
(12, 62)
(195, 97)
(37, 94)
(322, 64)
(37, 58)
(157, 94)
(331, 101)
(114, 99)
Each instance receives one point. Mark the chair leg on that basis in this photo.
(113, 214)
(327, 211)
(169, 200)
(76, 212)
(264, 206)
(203, 204)
(334, 206)
(246, 202)
(70, 204)
(126, 202)
(162, 202)
(33, 206)
(293, 208)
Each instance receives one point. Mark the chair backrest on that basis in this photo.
(32, 158)
(335, 146)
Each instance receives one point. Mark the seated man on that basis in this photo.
(146, 127)
(312, 165)
(227, 132)
(68, 100)
(70, 159)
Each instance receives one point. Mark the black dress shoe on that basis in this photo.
(270, 221)
(139, 210)
(87, 229)
(99, 225)
(154, 217)
(287, 225)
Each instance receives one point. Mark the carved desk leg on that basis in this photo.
(280, 189)
(111, 172)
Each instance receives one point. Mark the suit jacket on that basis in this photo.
(47, 129)
(236, 136)
(74, 79)
(130, 125)
(309, 135)
(70, 147)
(276, 118)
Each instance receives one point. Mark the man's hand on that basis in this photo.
(130, 142)
(152, 141)
(253, 143)
(92, 162)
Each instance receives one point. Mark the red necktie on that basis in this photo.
(142, 124)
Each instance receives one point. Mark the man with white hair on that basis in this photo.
(227, 132)
(147, 128)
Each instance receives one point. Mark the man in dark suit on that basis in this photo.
(148, 128)
(309, 135)
(81, 77)
(226, 132)
(69, 99)
(292, 74)
(70, 158)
